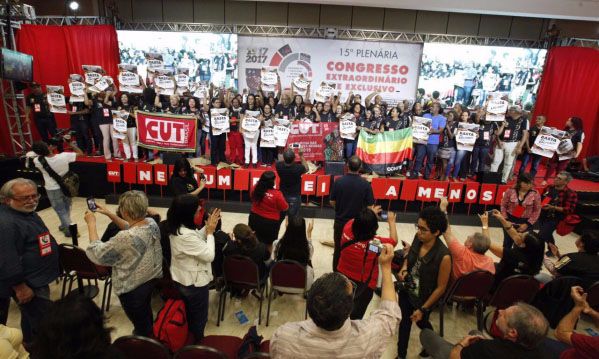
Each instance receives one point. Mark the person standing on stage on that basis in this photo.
(430, 149)
(576, 136)
(236, 148)
(80, 123)
(350, 194)
(43, 118)
(511, 136)
(527, 156)
(217, 142)
(101, 105)
(130, 144)
(290, 174)
(29, 254)
(480, 152)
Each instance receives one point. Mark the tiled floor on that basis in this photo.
(285, 308)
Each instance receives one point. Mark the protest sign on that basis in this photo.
(497, 106)
(547, 141)
(166, 132)
(347, 129)
(77, 88)
(129, 79)
(267, 137)
(182, 80)
(56, 100)
(219, 120)
(164, 82)
(269, 79)
(301, 85)
(250, 124)
(119, 124)
(92, 73)
(281, 134)
(421, 127)
(466, 135)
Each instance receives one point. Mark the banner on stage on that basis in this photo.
(165, 132)
(421, 128)
(319, 141)
(77, 88)
(547, 141)
(357, 66)
(56, 100)
(466, 136)
(384, 153)
(129, 80)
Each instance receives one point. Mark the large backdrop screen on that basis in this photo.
(469, 73)
(361, 67)
(209, 57)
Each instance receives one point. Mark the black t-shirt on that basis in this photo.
(500, 348)
(182, 185)
(130, 119)
(310, 116)
(78, 106)
(580, 264)
(234, 126)
(532, 135)
(371, 125)
(445, 140)
(291, 178)
(513, 262)
(39, 105)
(328, 116)
(392, 125)
(175, 110)
(351, 193)
(281, 110)
(485, 134)
(100, 112)
(514, 129)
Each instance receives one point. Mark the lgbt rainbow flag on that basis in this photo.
(384, 153)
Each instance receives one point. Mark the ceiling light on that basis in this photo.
(74, 5)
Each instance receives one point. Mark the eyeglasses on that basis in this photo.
(26, 198)
(421, 229)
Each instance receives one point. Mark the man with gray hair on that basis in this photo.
(559, 200)
(523, 329)
(469, 256)
(511, 136)
(28, 254)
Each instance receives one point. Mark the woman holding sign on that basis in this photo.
(267, 120)
(570, 148)
(250, 128)
(130, 143)
(447, 147)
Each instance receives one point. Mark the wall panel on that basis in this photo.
(526, 28)
(400, 20)
(304, 15)
(240, 12)
(147, 10)
(336, 16)
(271, 13)
(495, 26)
(209, 11)
(368, 18)
(178, 10)
(463, 24)
(431, 22)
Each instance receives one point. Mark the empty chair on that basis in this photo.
(289, 277)
(475, 285)
(76, 265)
(240, 273)
(199, 352)
(516, 288)
(134, 347)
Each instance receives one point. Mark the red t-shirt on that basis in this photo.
(271, 206)
(352, 257)
(583, 347)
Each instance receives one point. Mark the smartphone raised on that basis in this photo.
(384, 215)
(91, 204)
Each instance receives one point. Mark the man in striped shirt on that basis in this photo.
(329, 332)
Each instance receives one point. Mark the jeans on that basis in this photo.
(61, 205)
(430, 151)
(527, 157)
(295, 204)
(479, 159)
(506, 155)
(34, 311)
(196, 306)
(405, 325)
(546, 227)
(459, 157)
(137, 307)
(434, 345)
(217, 149)
(349, 148)
(337, 232)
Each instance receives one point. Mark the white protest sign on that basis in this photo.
(269, 78)
(267, 137)
(154, 64)
(250, 124)
(421, 128)
(219, 121)
(281, 134)
(347, 129)
(56, 100)
(128, 78)
(77, 91)
(492, 117)
(546, 143)
(182, 80)
(566, 150)
(497, 106)
(92, 77)
(252, 113)
(466, 136)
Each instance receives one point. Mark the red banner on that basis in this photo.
(166, 132)
(113, 172)
(319, 141)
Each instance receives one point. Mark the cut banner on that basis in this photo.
(385, 152)
(166, 132)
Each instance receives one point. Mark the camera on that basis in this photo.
(384, 215)
(407, 284)
(61, 136)
(375, 246)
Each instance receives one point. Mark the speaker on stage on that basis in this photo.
(489, 177)
(334, 168)
(169, 158)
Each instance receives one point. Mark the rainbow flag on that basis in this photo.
(384, 153)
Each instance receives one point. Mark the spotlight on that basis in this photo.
(74, 5)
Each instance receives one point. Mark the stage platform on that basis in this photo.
(94, 182)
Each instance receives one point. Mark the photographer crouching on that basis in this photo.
(360, 248)
(423, 276)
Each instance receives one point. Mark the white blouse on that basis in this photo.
(192, 252)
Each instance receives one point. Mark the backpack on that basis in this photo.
(69, 183)
(170, 327)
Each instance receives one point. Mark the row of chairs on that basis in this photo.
(241, 273)
(211, 347)
(477, 285)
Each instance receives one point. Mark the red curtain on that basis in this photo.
(570, 88)
(59, 51)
